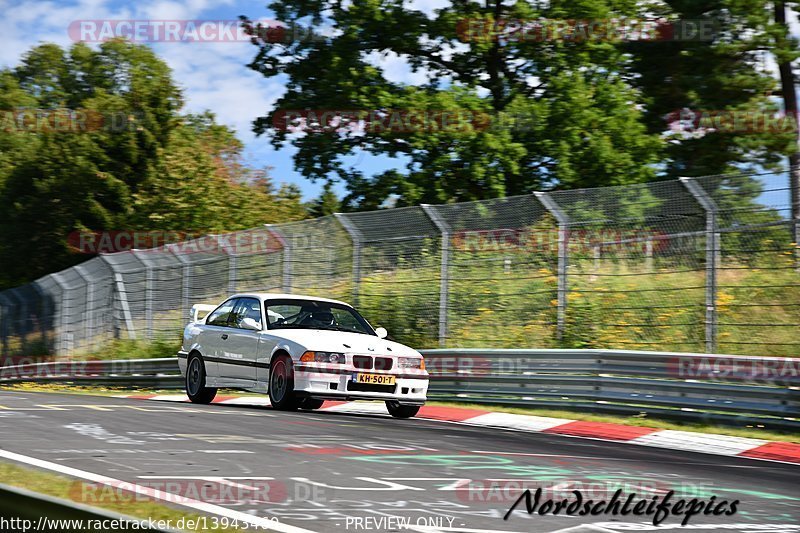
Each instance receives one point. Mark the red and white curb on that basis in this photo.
(784, 452)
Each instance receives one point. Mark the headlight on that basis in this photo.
(323, 357)
(411, 362)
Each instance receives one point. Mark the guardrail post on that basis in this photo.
(563, 258)
(712, 259)
(356, 238)
(444, 276)
(287, 256)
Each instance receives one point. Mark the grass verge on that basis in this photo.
(67, 488)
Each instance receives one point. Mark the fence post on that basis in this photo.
(796, 232)
(63, 343)
(221, 243)
(287, 256)
(563, 258)
(444, 275)
(89, 323)
(356, 238)
(122, 295)
(712, 258)
(186, 274)
(148, 294)
(5, 315)
(126, 309)
(232, 272)
(22, 318)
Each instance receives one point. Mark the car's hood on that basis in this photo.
(341, 341)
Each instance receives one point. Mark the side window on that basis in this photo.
(246, 308)
(221, 315)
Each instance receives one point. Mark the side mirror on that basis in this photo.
(382, 333)
(250, 323)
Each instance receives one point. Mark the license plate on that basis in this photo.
(374, 379)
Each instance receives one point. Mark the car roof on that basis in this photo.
(280, 296)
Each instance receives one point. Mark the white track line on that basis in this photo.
(698, 442)
(263, 523)
(514, 421)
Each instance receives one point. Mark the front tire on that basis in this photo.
(397, 410)
(281, 384)
(196, 388)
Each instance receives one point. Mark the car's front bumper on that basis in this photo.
(324, 382)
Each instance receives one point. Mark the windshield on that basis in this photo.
(311, 314)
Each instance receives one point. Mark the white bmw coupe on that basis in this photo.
(301, 351)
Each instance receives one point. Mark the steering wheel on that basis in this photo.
(313, 320)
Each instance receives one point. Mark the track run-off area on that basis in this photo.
(335, 471)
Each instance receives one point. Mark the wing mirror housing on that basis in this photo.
(381, 332)
(250, 323)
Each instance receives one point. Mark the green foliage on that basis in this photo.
(327, 203)
(564, 113)
(533, 114)
(132, 162)
(729, 73)
(621, 305)
(131, 349)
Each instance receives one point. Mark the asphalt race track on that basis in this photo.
(327, 471)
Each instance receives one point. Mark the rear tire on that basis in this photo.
(398, 410)
(196, 388)
(310, 404)
(281, 384)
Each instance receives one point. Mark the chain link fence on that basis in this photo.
(696, 265)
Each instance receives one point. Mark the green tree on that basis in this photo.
(539, 114)
(728, 72)
(327, 203)
(203, 185)
(131, 162)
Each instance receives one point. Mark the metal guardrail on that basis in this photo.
(161, 373)
(718, 388)
(22, 504)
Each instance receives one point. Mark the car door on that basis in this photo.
(238, 359)
(216, 332)
(269, 339)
